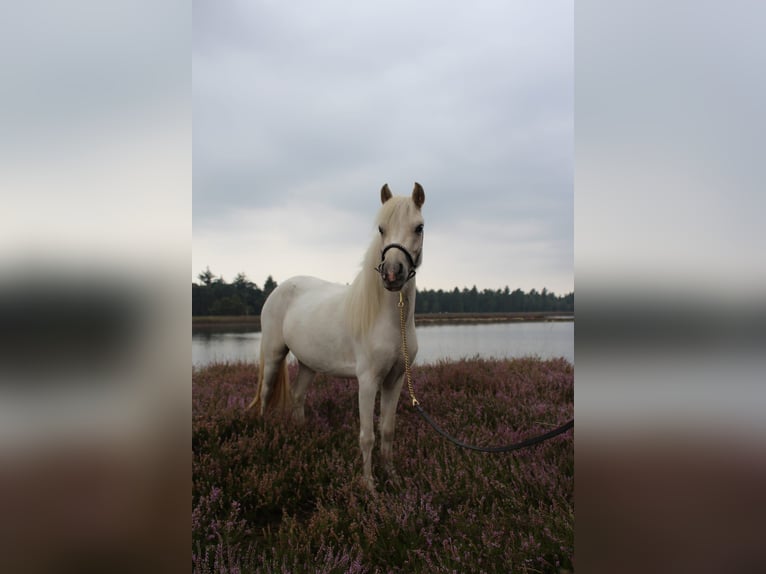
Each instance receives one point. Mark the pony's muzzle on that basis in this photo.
(394, 274)
(392, 267)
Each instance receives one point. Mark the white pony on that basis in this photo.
(349, 331)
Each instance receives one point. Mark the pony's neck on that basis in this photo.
(368, 300)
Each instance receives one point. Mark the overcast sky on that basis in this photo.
(303, 110)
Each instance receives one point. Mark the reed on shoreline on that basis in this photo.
(421, 319)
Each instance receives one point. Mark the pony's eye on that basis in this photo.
(419, 229)
(381, 230)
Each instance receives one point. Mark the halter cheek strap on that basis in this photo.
(403, 249)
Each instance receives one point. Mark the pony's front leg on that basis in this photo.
(368, 388)
(389, 397)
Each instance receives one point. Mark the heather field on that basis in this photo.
(268, 496)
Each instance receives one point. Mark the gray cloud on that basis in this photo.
(474, 102)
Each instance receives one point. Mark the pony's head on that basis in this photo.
(400, 224)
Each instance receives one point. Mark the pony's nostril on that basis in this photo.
(400, 270)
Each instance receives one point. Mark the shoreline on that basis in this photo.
(421, 319)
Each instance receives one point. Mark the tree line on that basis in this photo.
(214, 296)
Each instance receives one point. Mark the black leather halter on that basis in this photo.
(403, 249)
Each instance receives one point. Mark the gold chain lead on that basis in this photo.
(405, 352)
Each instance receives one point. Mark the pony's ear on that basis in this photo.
(418, 195)
(385, 193)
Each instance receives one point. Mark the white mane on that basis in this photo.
(366, 292)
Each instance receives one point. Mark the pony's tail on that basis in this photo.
(280, 397)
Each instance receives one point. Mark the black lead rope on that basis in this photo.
(416, 404)
(506, 448)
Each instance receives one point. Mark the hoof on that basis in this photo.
(394, 478)
(369, 484)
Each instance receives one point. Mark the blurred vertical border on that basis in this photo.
(669, 234)
(95, 370)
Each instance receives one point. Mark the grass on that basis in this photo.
(268, 496)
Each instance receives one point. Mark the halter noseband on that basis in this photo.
(403, 249)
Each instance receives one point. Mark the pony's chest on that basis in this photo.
(385, 343)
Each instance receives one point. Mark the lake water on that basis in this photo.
(435, 342)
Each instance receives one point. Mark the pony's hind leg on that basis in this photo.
(274, 389)
(302, 381)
